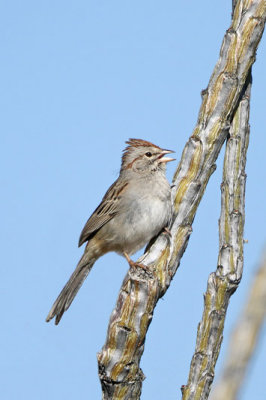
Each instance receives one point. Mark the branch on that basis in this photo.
(244, 339)
(224, 281)
(119, 359)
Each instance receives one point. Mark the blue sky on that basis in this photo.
(77, 80)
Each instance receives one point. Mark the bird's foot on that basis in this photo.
(134, 264)
(167, 232)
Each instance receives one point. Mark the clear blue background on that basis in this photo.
(77, 79)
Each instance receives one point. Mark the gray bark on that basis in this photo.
(119, 371)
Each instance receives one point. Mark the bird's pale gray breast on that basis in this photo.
(146, 212)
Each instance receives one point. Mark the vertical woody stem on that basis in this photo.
(224, 281)
(119, 371)
(244, 339)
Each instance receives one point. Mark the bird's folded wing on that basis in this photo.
(104, 212)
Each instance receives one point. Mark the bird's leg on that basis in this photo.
(134, 264)
(167, 232)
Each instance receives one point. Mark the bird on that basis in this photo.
(135, 209)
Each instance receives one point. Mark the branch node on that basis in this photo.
(203, 93)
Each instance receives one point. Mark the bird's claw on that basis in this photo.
(134, 264)
(166, 231)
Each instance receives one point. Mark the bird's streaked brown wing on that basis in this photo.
(104, 212)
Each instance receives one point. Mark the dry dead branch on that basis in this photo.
(119, 371)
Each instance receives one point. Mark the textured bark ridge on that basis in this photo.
(119, 359)
(244, 339)
(224, 281)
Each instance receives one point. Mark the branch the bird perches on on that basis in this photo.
(119, 371)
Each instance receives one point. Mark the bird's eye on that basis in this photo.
(148, 154)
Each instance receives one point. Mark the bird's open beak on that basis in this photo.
(166, 159)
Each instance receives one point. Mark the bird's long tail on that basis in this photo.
(71, 288)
